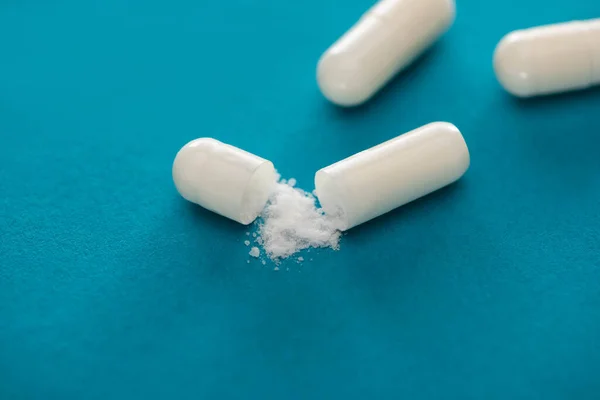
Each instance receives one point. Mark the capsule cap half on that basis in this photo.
(224, 179)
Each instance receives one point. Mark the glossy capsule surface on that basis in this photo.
(224, 179)
(549, 59)
(382, 178)
(385, 40)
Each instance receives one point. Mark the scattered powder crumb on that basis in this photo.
(248, 261)
(247, 233)
(247, 242)
(292, 222)
(254, 252)
(276, 269)
(254, 234)
(264, 262)
(300, 259)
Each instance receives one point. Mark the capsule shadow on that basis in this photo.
(560, 132)
(211, 219)
(402, 272)
(547, 102)
(409, 211)
(393, 89)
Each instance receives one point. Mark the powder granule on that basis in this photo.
(292, 222)
(254, 252)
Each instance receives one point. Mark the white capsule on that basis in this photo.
(380, 179)
(549, 59)
(223, 179)
(384, 41)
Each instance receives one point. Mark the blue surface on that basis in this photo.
(111, 286)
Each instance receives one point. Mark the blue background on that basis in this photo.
(112, 286)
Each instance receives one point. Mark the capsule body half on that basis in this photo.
(380, 179)
(224, 179)
(549, 59)
(386, 39)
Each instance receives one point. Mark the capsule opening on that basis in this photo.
(330, 198)
(257, 192)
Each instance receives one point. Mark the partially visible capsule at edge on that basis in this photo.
(386, 39)
(549, 59)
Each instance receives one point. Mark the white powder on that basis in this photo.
(292, 222)
(247, 242)
(254, 252)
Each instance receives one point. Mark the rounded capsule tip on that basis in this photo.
(188, 163)
(512, 65)
(339, 80)
(463, 161)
